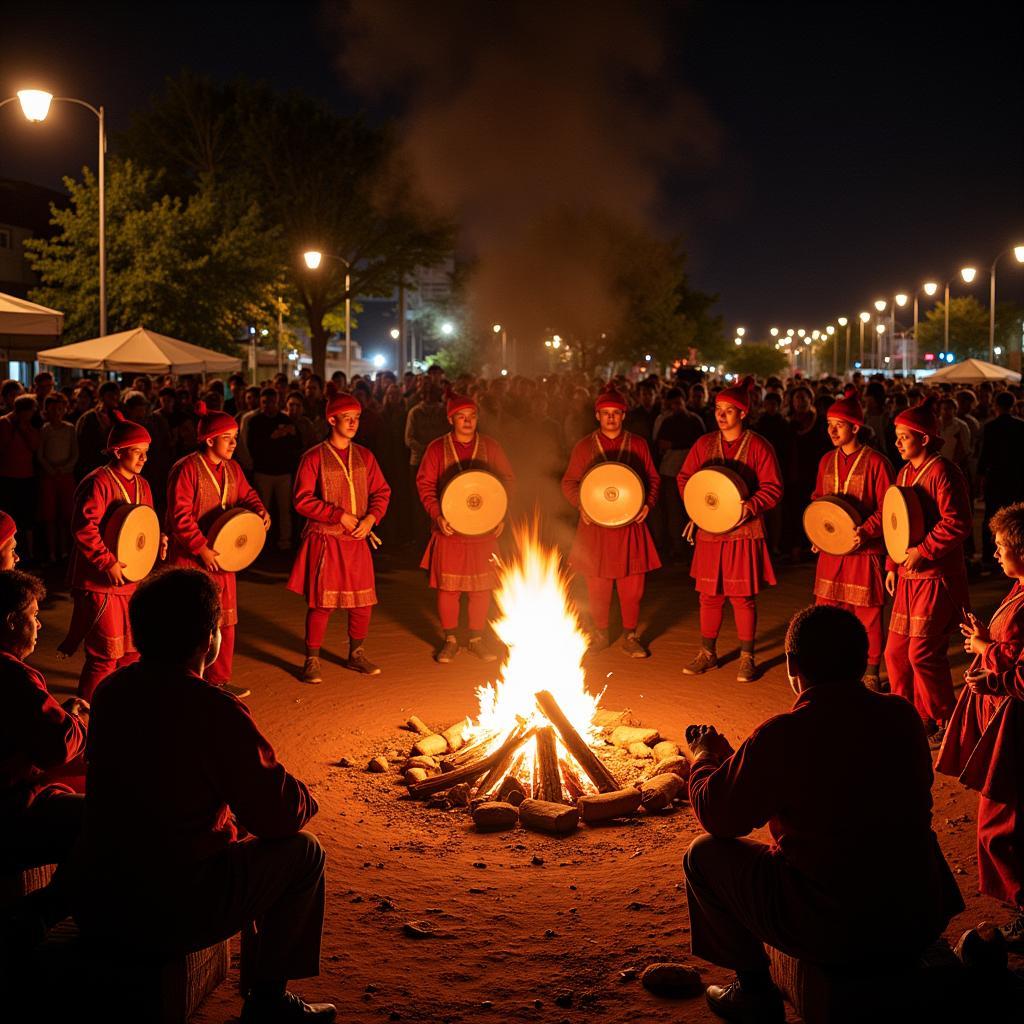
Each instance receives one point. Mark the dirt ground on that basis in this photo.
(533, 928)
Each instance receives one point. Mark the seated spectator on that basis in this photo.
(214, 836)
(855, 874)
(41, 744)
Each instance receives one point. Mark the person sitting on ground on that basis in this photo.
(212, 778)
(41, 743)
(855, 874)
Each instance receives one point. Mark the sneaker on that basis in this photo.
(632, 647)
(237, 691)
(731, 1002)
(358, 662)
(448, 650)
(311, 672)
(478, 645)
(705, 660)
(597, 641)
(936, 738)
(747, 671)
(1014, 933)
(287, 1009)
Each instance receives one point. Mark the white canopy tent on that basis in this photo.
(139, 351)
(974, 371)
(25, 327)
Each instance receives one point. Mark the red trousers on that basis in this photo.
(712, 611)
(870, 619)
(108, 642)
(316, 624)
(1001, 850)
(631, 590)
(219, 671)
(478, 604)
(918, 668)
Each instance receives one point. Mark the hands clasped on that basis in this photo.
(707, 742)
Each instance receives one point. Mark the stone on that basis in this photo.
(625, 735)
(665, 749)
(640, 751)
(419, 930)
(672, 980)
(378, 765)
(564, 1000)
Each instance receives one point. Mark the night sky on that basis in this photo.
(853, 150)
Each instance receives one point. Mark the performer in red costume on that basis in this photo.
(930, 587)
(855, 581)
(735, 564)
(341, 492)
(459, 564)
(202, 486)
(613, 557)
(984, 743)
(8, 542)
(98, 586)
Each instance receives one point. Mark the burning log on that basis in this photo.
(542, 816)
(466, 754)
(471, 771)
(658, 793)
(430, 746)
(499, 769)
(547, 774)
(495, 817)
(608, 806)
(576, 745)
(573, 783)
(627, 735)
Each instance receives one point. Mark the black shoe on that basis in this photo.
(358, 662)
(598, 640)
(448, 650)
(747, 672)
(631, 646)
(311, 671)
(936, 738)
(704, 661)
(237, 691)
(731, 1002)
(478, 645)
(1014, 933)
(286, 1009)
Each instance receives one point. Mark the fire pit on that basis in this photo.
(531, 756)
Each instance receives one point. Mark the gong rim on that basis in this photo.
(474, 502)
(238, 536)
(835, 532)
(902, 521)
(133, 535)
(616, 501)
(703, 498)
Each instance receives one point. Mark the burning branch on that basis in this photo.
(596, 771)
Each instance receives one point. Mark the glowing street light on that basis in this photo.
(901, 299)
(774, 331)
(447, 328)
(800, 333)
(740, 331)
(863, 318)
(35, 105)
(880, 305)
(790, 333)
(379, 362)
(830, 330)
(1018, 254)
(395, 333)
(930, 288)
(313, 258)
(737, 341)
(815, 335)
(968, 274)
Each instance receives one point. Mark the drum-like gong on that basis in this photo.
(237, 536)
(902, 521)
(612, 494)
(714, 499)
(474, 502)
(132, 534)
(831, 524)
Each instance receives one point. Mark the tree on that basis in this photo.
(199, 268)
(324, 181)
(758, 360)
(968, 329)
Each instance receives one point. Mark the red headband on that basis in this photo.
(212, 422)
(610, 398)
(342, 404)
(457, 402)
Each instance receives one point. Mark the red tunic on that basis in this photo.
(735, 563)
(332, 569)
(929, 599)
(38, 739)
(864, 477)
(612, 552)
(459, 563)
(197, 493)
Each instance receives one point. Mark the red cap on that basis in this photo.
(342, 404)
(126, 433)
(850, 391)
(212, 422)
(920, 418)
(457, 402)
(738, 394)
(610, 398)
(846, 409)
(7, 527)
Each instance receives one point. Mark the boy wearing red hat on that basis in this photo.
(8, 542)
(98, 587)
(855, 581)
(613, 557)
(930, 587)
(459, 564)
(202, 486)
(733, 565)
(341, 493)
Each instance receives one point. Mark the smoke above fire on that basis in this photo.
(526, 120)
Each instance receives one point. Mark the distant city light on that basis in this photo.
(774, 332)
(648, 357)
(740, 331)
(998, 350)
(930, 288)
(395, 332)
(504, 373)
(738, 341)
(949, 357)
(496, 328)
(842, 321)
(447, 328)
(264, 332)
(968, 274)
(379, 361)
(857, 365)
(557, 342)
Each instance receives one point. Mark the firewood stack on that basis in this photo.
(487, 774)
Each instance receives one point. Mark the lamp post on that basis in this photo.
(864, 318)
(1018, 252)
(498, 329)
(929, 288)
(313, 258)
(843, 322)
(35, 105)
(967, 275)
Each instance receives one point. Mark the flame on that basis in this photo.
(546, 645)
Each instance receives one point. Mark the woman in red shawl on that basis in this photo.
(984, 743)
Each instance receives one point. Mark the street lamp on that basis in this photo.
(498, 329)
(447, 328)
(863, 318)
(313, 258)
(35, 105)
(774, 332)
(967, 275)
(1018, 253)
(740, 331)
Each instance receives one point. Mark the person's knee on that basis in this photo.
(697, 855)
(310, 852)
